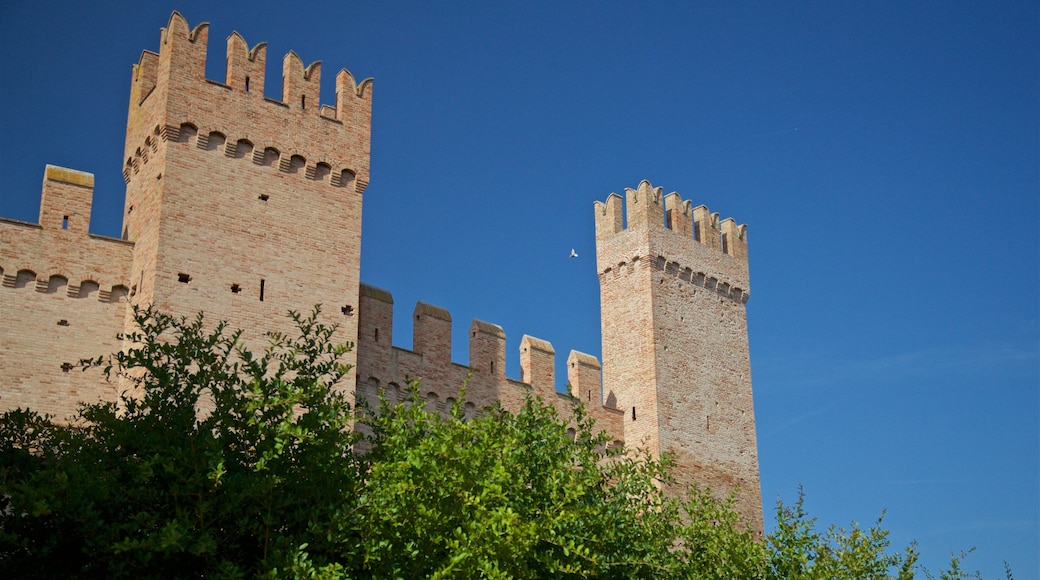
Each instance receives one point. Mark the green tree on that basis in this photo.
(215, 460)
(221, 462)
(511, 495)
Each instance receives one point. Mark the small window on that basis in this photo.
(65, 223)
(235, 288)
(725, 244)
(63, 322)
(264, 197)
(347, 310)
(183, 278)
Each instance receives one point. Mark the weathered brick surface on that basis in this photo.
(245, 207)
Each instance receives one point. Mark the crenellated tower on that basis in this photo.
(240, 205)
(673, 288)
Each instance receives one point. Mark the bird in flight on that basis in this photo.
(573, 253)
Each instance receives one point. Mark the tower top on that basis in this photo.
(169, 90)
(646, 208)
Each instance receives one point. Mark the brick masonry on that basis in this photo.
(244, 207)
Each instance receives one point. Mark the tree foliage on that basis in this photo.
(221, 462)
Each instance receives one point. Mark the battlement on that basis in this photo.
(66, 200)
(183, 50)
(648, 209)
(432, 326)
(59, 255)
(169, 90)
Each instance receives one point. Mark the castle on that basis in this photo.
(244, 207)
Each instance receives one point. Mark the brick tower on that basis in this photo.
(673, 285)
(240, 205)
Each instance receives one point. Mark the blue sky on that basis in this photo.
(884, 155)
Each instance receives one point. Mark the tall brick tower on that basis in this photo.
(673, 285)
(240, 205)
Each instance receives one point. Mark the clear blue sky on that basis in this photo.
(884, 155)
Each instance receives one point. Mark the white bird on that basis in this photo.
(573, 253)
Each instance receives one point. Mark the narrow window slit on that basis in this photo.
(262, 284)
(377, 335)
(65, 223)
(247, 84)
(633, 413)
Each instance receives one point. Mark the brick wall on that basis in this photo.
(63, 298)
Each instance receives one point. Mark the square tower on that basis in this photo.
(673, 288)
(239, 205)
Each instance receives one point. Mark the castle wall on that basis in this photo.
(245, 207)
(63, 298)
(382, 366)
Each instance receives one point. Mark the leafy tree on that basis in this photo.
(512, 496)
(215, 460)
(224, 463)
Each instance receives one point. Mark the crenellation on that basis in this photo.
(583, 375)
(487, 349)
(180, 76)
(609, 216)
(484, 376)
(645, 206)
(353, 100)
(538, 365)
(301, 87)
(734, 239)
(66, 200)
(182, 53)
(680, 215)
(145, 76)
(431, 333)
(245, 66)
(706, 226)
